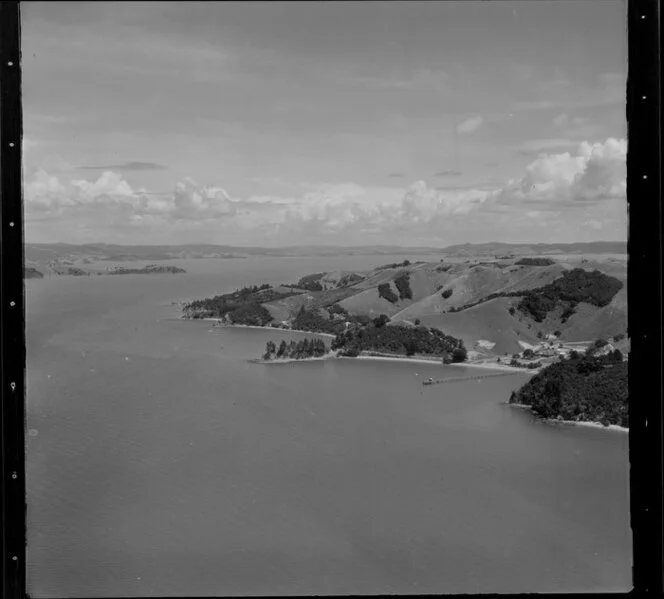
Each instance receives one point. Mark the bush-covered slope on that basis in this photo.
(584, 389)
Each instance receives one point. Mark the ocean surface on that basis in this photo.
(161, 462)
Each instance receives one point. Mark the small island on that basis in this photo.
(150, 269)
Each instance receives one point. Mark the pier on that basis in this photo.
(475, 377)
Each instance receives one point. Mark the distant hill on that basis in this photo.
(534, 249)
(43, 253)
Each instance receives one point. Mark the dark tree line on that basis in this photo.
(401, 341)
(575, 286)
(385, 291)
(296, 350)
(535, 262)
(240, 305)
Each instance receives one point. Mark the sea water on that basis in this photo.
(162, 462)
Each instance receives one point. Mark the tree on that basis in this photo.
(411, 348)
(512, 310)
(417, 322)
(270, 349)
(283, 348)
(381, 320)
(557, 333)
(528, 354)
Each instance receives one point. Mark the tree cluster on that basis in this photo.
(575, 286)
(580, 388)
(535, 262)
(228, 303)
(385, 291)
(300, 350)
(402, 283)
(401, 341)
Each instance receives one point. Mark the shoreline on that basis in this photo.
(329, 356)
(584, 423)
(413, 360)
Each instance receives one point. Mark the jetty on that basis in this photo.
(475, 377)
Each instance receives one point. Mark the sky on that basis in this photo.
(329, 123)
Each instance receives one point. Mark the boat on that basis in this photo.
(429, 381)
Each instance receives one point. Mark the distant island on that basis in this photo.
(150, 269)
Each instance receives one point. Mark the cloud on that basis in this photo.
(448, 173)
(470, 125)
(596, 172)
(127, 166)
(554, 187)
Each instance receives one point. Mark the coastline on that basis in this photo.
(376, 355)
(329, 356)
(584, 423)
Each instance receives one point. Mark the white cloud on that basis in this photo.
(470, 125)
(551, 188)
(596, 172)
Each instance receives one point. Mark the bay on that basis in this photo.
(161, 462)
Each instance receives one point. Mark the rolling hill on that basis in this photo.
(500, 301)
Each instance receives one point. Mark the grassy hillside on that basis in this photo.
(501, 301)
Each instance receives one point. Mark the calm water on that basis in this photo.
(161, 462)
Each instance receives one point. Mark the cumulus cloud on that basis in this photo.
(470, 125)
(595, 172)
(551, 186)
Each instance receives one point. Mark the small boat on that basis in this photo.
(429, 381)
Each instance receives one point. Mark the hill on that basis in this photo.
(535, 249)
(504, 302)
